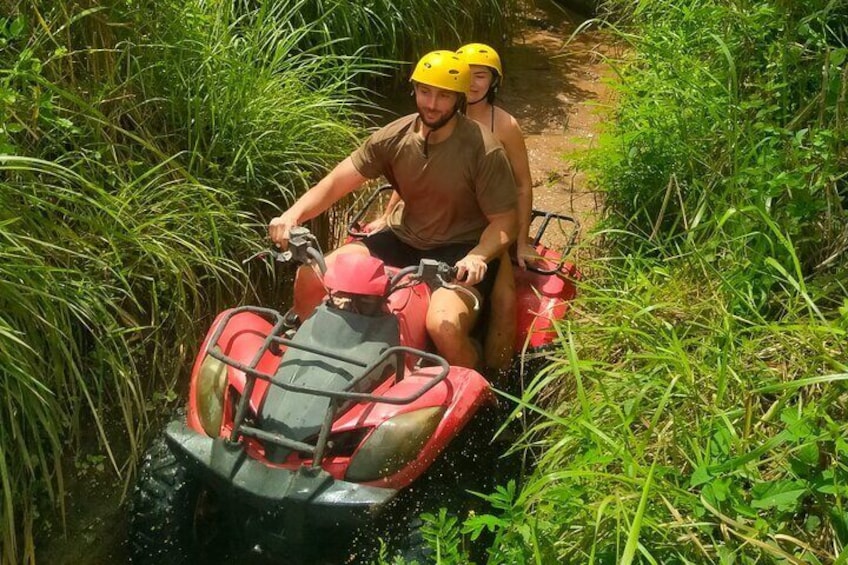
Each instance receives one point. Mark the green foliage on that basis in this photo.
(409, 28)
(729, 106)
(142, 145)
(93, 286)
(685, 434)
(516, 531)
(707, 418)
(698, 409)
(441, 532)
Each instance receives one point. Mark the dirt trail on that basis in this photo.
(554, 87)
(555, 91)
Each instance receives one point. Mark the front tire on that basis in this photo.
(173, 518)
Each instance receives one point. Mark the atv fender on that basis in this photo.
(242, 337)
(542, 299)
(461, 394)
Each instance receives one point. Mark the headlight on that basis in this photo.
(393, 444)
(211, 381)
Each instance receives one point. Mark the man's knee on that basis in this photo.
(450, 311)
(444, 326)
(450, 333)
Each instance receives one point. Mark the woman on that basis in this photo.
(486, 77)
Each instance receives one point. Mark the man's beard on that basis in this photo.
(438, 123)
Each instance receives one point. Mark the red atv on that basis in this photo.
(296, 430)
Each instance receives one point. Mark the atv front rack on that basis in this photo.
(392, 356)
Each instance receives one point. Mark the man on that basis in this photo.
(459, 200)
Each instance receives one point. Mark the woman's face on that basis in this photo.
(481, 80)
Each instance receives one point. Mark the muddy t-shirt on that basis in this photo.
(447, 192)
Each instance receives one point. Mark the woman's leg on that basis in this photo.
(500, 333)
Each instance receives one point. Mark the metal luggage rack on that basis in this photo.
(272, 344)
(547, 217)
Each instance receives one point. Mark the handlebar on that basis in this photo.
(434, 274)
(303, 248)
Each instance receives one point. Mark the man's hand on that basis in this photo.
(471, 269)
(278, 229)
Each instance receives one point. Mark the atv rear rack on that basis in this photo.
(392, 356)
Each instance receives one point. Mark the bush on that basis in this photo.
(142, 145)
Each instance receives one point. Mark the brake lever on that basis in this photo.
(462, 289)
(278, 256)
(434, 274)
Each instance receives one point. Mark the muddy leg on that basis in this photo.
(450, 319)
(500, 334)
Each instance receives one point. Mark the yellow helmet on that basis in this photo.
(481, 54)
(443, 69)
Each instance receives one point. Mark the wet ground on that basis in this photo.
(555, 88)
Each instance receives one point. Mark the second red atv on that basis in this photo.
(296, 428)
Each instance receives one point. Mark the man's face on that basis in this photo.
(435, 105)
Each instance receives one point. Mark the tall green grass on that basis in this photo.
(94, 287)
(670, 429)
(730, 106)
(697, 411)
(143, 146)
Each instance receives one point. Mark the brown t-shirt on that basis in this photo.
(447, 194)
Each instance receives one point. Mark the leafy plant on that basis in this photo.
(688, 434)
(441, 532)
(142, 146)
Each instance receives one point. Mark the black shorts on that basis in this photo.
(386, 246)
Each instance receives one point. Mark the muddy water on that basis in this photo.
(555, 89)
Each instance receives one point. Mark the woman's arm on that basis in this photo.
(376, 225)
(516, 151)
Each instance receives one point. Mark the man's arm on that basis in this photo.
(497, 236)
(342, 180)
